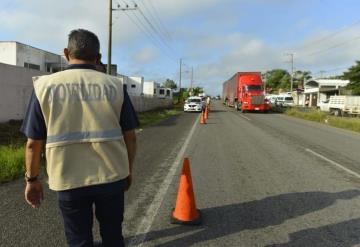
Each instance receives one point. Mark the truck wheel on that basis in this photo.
(337, 112)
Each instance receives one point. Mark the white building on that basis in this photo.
(15, 90)
(317, 90)
(133, 84)
(151, 88)
(165, 93)
(18, 54)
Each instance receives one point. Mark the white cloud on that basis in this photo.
(204, 32)
(146, 55)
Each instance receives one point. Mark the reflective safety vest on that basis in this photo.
(84, 145)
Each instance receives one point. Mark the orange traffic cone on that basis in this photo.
(185, 211)
(206, 113)
(202, 118)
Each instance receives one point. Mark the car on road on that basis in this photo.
(271, 98)
(193, 104)
(284, 101)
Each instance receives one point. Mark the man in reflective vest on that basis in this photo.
(87, 121)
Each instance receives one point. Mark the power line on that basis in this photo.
(154, 21)
(151, 36)
(154, 29)
(157, 39)
(159, 20)
(331, 35)
(111, 9)
(331, 47)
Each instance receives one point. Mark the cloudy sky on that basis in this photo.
(215, 37)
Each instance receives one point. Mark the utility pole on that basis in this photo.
(180, 79)
(292, 70)
(110, 29)
(110, 37)
(192, 78)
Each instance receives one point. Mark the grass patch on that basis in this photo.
(12, 163)
(10, 133)
(12, 142)
(153, 117)
(322, 117)
(312, 115)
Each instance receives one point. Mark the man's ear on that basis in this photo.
(98, 59)
(66, 53)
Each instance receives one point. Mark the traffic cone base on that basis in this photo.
(193, 222)
(206, 115)
(202, 118)
(185, 211)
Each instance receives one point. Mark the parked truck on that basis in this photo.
(341, 105)
(245, 92)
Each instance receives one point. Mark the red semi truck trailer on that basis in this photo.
(245, 92)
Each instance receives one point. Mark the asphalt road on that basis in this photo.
(259, 180)
(265, 180)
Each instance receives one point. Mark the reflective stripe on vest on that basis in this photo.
(68, 137)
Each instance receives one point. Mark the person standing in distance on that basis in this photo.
(87, 123)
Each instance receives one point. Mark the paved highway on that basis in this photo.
(264, 180)
(259, 180)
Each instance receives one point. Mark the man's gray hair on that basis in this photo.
(83, 45)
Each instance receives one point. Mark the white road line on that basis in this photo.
(334, 163)
(153, 209)
(241, 115)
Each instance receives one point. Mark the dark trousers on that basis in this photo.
(78, 219)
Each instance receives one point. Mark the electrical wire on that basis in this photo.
(155, 30)
(161, 24)
(331, 47)
(150, 35)
(160, 43)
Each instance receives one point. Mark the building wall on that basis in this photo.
(16, 88)
(15, 53)
(28, 54)
(151, 88)
(135, 85)
(15, 91)
(143, 103)
(8, 53)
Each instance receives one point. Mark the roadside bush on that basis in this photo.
(152, 117)
(345, 123)
(12, 163)
(322, 117)
(314, 115)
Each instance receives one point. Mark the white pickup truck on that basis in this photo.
(341, 105)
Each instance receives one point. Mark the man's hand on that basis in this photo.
(34, 193)
(129, 181)
(130, 142)
(33, 190)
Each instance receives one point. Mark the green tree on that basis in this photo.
(197, 90)
(285, 82)
(276, 78)
(170, 84)
(300, 77)
(353, 75)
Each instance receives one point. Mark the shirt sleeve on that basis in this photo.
(34, 126)
(128, 117)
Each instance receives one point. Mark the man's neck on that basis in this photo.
(78, 61)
